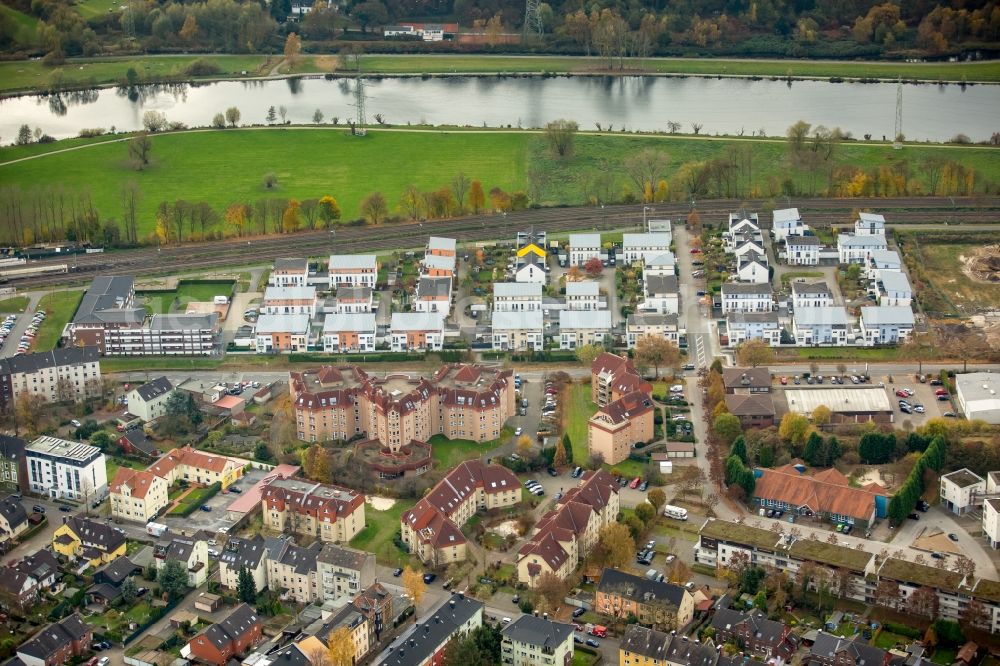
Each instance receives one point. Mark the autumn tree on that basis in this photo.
(657, 498)
(794, 428)
(524, 446)
(754, 352)
(727, 427)
(236, 218)
(340, 646)
(560, 458)
(656, 351)
(550, 591)
(414, 583)
(586, 354)
(821, 416)
(593, 267)
(645, 168)
(615, 546)
(291, 218)
(459, 189)
(411, 202)
(189, 31)
(329, 210)
(374, 208)
(293, 47)
(560, 135)
(477, 197)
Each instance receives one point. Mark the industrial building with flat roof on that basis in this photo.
(979, 396)
(848, 405)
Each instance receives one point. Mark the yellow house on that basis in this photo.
(197, 467)
(531, 247)
(80, 538)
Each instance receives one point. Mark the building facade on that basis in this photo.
(352, 270)
(60, 469)
(534, 641)
(61, 375)
(615, 428)
(137, 496)
(518, 331)
(329, 513)
(349, 333)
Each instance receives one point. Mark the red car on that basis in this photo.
(784, 381)
(900, 393)
(635, 483)
(941, 391)
(695, 250)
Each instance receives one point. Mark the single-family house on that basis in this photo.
(584, 295)
(353, 270)
(787, 222)
(830, 650)
(349, 332)
(869, 224)
(108, 580)
(43, 566)
(858, 249)
(820, 326)
(57, 643)
(416, 331)
(149, 401)
(354, 300)
(531, 268)
(753, 267)
(276, 333)
(531, 641)
(754, 410)
(433, 295)
(226, 639)
(578, 328)
(743, 326)
(289, 272)
(746, 380)
(811, 295)
(518, 330)
(18, 591)
(747, 297)
(191, 552)
(664, 326)
(886, 325)
(659, 264)
(13, 518)
(636, 247)
(660, 294)
(441, 247)
(438, 266)
(88, 540)
(802, 250)
(583, 248)
(289, 300)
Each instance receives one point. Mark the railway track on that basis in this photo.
(190, 257)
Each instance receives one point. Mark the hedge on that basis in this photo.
(447, 355)
(193, 500)
(902, 630)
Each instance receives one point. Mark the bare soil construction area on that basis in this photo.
(982, 265)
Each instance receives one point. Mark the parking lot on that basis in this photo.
(215, 519)
(923, 394)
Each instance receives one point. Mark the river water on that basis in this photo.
(931, 112)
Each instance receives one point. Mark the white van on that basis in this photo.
(675, 512)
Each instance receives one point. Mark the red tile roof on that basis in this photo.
(138, 481)
(628, 407)
(799, 490)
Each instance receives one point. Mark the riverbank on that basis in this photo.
(32, 76)
(222, 167)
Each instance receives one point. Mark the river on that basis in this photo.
(733, 106)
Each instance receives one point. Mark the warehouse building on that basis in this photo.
(979, 396)
(848, 405)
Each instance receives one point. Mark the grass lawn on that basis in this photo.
(584, 658)
(786, 278)
(93, 8)
(59, 307)
(195, 498)
(25, 26)
(578, 408)
(160, 302)
(15, 304)
(887, 640)
(111, 364)
(112, 464)
(944, 655)
(196, 166)
(380, 528)
(848, 355)
(628, 468)
(449, 452)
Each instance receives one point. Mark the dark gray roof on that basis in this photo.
(240, 552)
(661, 284)
(13, 511)
(290, 655)
(105, 591)
(137, 438)
(639, 589)
(417, 646)
(155, 388)
(96, 534)
(291, 263)
(31, 363)
(13, 581)
(810, 287)
(179, 549)
(767, 631)
(302, 560)
(664, 647)
(12, 447)
(746, 288)
(53, 637)
(433, 286)
(116, 571)
(104, 303)
(752, 318)
(238, 624)
(40, 565)
(801, 240)
(183, 322)
(348, 558)
(538, 631)
(827, 645)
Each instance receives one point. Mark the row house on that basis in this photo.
(416, 331)
(149, 401)
(578, 328)
(61, 469)
(438, 246)
(740, 228)
(433, 295)
(61, 375)
(892, 288)
(57, 643)
(991, 521)
(354, 300)
(883, 260)
(344, 572)
(886, 325)
(292, 569)
(438, 266)
(661, 605)
(642, 646)
(192, 553)
(636, 247)
(869, 224)
(13, 464)
(289, 300)
(349, 333)
(424, 644)
(518, 331)
(583, 296)
(811, 295)
(615, 428)
(517, 297)
(200, 467)
(567, 534)
(664, 326)
(664, 263)
(353, 270)
(854, 249)
(225, 640)
(748, 247)
(276, 333)
(743, 326)
(743, 297)
(787, 222)
(243, 553)
(612, 377)
(530, 256)
(802, 250)
(137, 495)
(660, 294)
(13, 518)
(326, 512)
(432, 528)
(962, 491)
(80, 538)
(830, 650)
(289, 272)
(583, 248)
(754, 633)
(820, 326)
(752, 267)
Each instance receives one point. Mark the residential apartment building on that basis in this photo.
(754, 633)
(61, 375)
(276, 333)
(289, 300)
(416, 331)
(892, 289)
(583, 248)
(244, 553)
(149, 401)
(191, 552)
(886, 325)
(821, 326)
(354, 300)
(635, 247)
(167, 335)
(583, 296)
(613, 377)
(137, 496)
(660, 294)
(517, 297)
(88, 540)
(330, 513)
(746, 380)
(438, 266)
(289, 272)
(57, 643)
(991, 521)
(742, 297)
(199, 467)
(578, 328)
(743, 326)
(659, 264)
(811, 295)
(869, 224)
(883, 260)
(978, 395)
(227, 639)
(962, 491)
(857, 249)
(663, 326)
(648, 647)
(458, 401)
(565, 535)
(349, 333)
(343, 572)
(787, 222)
(518, 331)
(61, 469)
(615, 428)
(292, 569)
(830, 650)
(13, 464)
(433, 295)
(438, 246)
(353, 270)
(753, 267)
(432, 528)
(425, 642)
(535, 641)
(106, 309)
(802, 250)
(663, 606)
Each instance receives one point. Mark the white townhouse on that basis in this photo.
(61, 469)
(578, 328)
(531, 269)
(658, 325)
(444, 247)
(583, 296)
(438, 265)
(869, 224)
(991, 521)
(289, 300)
(518, 330)
(741, 297)
(820, 326)
(517, 297)
(353, 270)
(658, 226)
(748, 247)
(534, 641)
(583, 248)
(349, 332)
(962, 491)
(661, 294)
(433, 295)
(743, 222)
(883, 260)
(416, 331)
(752, 267)
(149, 401)
(811, 295)
(886, 325)
(660, 264)
(289, 272)
(802, 250)
(353, 300)
(743, 326)
(636, 247)
(893, 288)
(281, 333)
(787, 222)
(857, 249)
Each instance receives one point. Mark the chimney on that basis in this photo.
(545, 616)
(536, 613)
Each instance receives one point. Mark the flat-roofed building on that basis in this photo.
(353, 270)
(107, 306)
(277, 333)
(869, 224)
(517, 297)
(854, 249)
(518, 330)
(743, 326)
(350, 333)
(802, 250)
(584, 295)
(847, 405)
(978, 396)
(787, 222)
(438, 266)
(439, 246)
(820, 326)
(578, 328)
(416, 331)
(61, 469)
(962, 491)
(892, 288)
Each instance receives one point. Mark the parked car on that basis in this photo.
(936, 382)
(578, 612)
(953, 536)
(944, 397)
(635, 483)
(397, 572)
(592, 643)
(914, 516)
(643, 486)
(38, 508)
(552, 471)
(950, 415)
(205, 507)
(429, 578)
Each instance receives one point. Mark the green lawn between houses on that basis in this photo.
(377, 535)
(578, 409)
(59, 307)
(16, 304)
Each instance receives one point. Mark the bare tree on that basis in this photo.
(645, 168)
(139, 148)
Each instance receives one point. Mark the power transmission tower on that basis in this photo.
(897, 140)
(128, 23)
(532, 20)
(359, 103)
